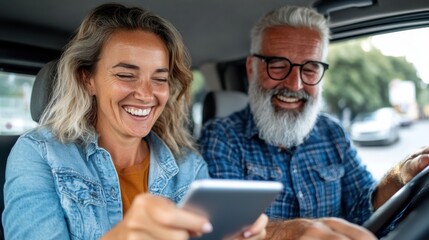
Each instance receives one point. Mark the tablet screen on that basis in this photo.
(230, 205)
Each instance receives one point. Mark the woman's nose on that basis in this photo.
(144, 89)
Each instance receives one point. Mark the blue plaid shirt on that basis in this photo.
(322, 177)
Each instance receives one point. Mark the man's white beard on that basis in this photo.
(283, 128)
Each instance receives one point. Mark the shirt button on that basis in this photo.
(94, 194)
(113, 193)
(300, 195)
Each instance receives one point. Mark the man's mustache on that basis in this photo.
(301, 94)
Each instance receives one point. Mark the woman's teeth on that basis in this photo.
(138, 112)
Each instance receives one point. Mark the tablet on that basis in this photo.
(230, 205)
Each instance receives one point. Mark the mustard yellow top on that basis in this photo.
(133, 181)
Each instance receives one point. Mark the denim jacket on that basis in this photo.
(71, 191)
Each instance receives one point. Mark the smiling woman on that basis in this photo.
(111, 154)
(131, 87)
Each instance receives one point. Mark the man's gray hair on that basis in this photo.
(299, 17)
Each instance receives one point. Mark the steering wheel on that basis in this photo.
(415, 226)
(410, 195)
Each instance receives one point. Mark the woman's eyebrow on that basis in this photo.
(135, 67)
(162, 70)
(126, 65)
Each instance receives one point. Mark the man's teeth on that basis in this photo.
(138, 112)
(287, 99)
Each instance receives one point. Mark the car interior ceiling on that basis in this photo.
(48, 31)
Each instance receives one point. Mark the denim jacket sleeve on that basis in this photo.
(32, 206)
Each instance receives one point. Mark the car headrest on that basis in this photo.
(235, 78)
(42, 89)
(223, 103)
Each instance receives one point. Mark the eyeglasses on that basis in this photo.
(278, 68)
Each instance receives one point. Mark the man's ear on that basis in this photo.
(249, 67)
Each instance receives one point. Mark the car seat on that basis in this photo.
(222, 103)
(42, 89)
(40, 95)
(6, 145)
(232, 97)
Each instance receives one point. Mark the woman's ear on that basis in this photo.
(88, 81)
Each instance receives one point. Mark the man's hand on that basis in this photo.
(412, 165)
(309, 229)
(401, 174)
(287, 229)
(335, 228)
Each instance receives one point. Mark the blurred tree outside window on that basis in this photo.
(15, 94)
(386, 71)
(359, 77)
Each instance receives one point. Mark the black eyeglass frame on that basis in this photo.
(268, 59)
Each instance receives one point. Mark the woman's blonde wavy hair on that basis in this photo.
(71, 112)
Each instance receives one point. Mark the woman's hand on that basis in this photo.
(153, 217)
(256, 231)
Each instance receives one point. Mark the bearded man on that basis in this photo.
(282, 136)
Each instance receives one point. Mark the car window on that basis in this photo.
(15, 94)
(198, 92)
(362, 117)
(387, 71)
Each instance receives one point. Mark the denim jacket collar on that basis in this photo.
(92, 146)
(163, 164)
